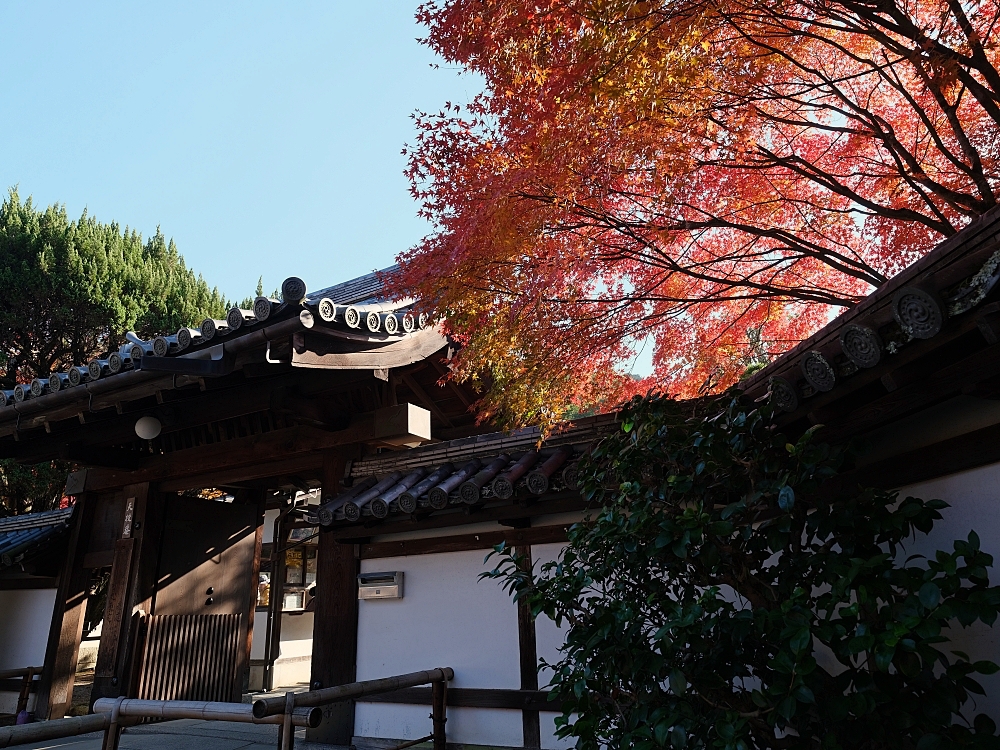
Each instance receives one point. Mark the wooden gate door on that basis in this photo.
(197, 638)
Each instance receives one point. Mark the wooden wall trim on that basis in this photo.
(35, 582)
(530, 700)
(528, 656)
(465, 542)
(970, 451)
(14, 686)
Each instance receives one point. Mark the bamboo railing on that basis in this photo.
(292, 710)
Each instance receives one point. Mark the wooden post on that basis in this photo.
(439, 708)
(529, 659)
(22, 698)
(276, 604)
(335, 629)
(55, 691)
(132, 586)
(260, 498)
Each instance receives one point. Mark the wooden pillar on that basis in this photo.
(335, 629)
(529, 659)
(132, 587)
(55, 693)
(279, 539)
(258, 497)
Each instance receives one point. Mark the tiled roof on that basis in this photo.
(361, 289)
(351, 309)
(465, 472)
(925, 305)
(19, 534)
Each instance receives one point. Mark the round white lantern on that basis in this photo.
(147, 427)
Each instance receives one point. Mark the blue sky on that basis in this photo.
(264, 138)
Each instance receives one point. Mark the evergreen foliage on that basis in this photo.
(718, 600)
(71, 289)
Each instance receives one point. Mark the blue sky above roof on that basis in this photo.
(264, 138)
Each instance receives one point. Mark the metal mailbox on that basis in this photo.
(387, 585)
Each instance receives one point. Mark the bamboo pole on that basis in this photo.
(276, 705)
(303, 716)
(53, 730)
(9, 674)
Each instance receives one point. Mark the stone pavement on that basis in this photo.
(187, 734)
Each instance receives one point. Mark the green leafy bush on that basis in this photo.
(719, 600)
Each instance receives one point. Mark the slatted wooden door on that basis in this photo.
(197, 635)
(191, 657)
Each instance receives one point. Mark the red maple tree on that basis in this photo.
(716, 177)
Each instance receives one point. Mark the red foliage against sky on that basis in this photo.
(715, 177)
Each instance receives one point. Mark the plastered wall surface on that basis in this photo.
(447, 618)
(975, 499)
(294, 662)
(25, 617)
(548, 639)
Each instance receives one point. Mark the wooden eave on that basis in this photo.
(288, 375)
(962, 359)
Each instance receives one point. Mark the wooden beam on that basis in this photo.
(442, 372)
(117, 614)
(528, 656)
(425, 399)
(464, 542)
(282, 468)
(534, 700)
(970, 451)
(28, 582)
(930, 389)
(62, 650)
(335, 624)
(241, 457)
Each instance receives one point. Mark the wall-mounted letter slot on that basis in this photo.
(380, 585)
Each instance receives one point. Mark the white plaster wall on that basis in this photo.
(294, 663)
(296, 635)
(447, 618)
(25, 617)
(259, 635)
(269, 518)
(548, 639)
(975, 499)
